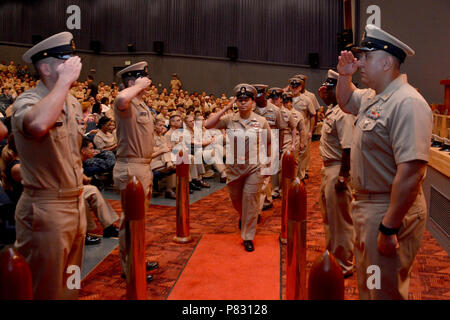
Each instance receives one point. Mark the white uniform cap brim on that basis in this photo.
(134, 67)
(56, 40)
(374, 32)
(333, 74)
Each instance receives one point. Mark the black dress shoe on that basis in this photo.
(151, 265)
(170, 194)
(194, 186)
(267, 206)
(248, 244)
(239, 224)
(203, 184)
(111, 232)
(306, 176)
(92, 240)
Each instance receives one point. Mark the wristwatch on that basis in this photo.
(388, 231)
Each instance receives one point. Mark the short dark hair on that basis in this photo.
(85, 142)
(103, 120)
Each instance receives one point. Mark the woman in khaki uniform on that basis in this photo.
(244, 179)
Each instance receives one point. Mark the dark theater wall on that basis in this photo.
(425, 27)
(282, 31)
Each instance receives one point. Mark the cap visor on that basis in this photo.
(363, 49)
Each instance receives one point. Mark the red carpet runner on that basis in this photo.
(220, 269)
(215, 215)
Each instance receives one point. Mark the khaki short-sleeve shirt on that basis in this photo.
(104, 140)
(337, 134)
(272, 115)
(134, 131)
(305, 106)
(52, 162)
(313, 99)
(392, 127)
(243, 131)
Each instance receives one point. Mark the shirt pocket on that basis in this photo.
(367, 124)
(328, 125)
(143, 117)
(58, 131)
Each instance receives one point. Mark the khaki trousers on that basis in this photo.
(304, 160)
(395, 271)
(122, 173)
(245, 195)
(95, 202)
(50, 236)
(337, 220)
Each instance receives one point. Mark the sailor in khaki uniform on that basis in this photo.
(335, 193)
(307, 93)
(274, 97)
(304, 105)
(50, 216)
(389, 153)
(134, 140)
(273, 116)
(293, 123)
(244, 179)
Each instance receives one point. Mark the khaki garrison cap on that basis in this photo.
(332, 78)
(275, 92)
(60, 46)
(260, 87)
(301, 77)
(244, 89)
(136, 70)
(376, 39)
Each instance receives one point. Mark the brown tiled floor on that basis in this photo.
(214, 214)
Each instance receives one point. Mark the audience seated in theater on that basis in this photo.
(96, 163)
(162, 163)
(11, 180)
(104, 139)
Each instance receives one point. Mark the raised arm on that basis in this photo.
(346, 67)
(43, 115)
(212, 121)
(126, 95)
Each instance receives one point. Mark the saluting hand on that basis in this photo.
(230, 105)
(348, 64)
(69, 71)
(143, 82)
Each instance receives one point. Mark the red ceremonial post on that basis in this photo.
(296, 242)
(15, 276)
(182, 201)
(326, 281)
(287, 176)
(134, 211)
